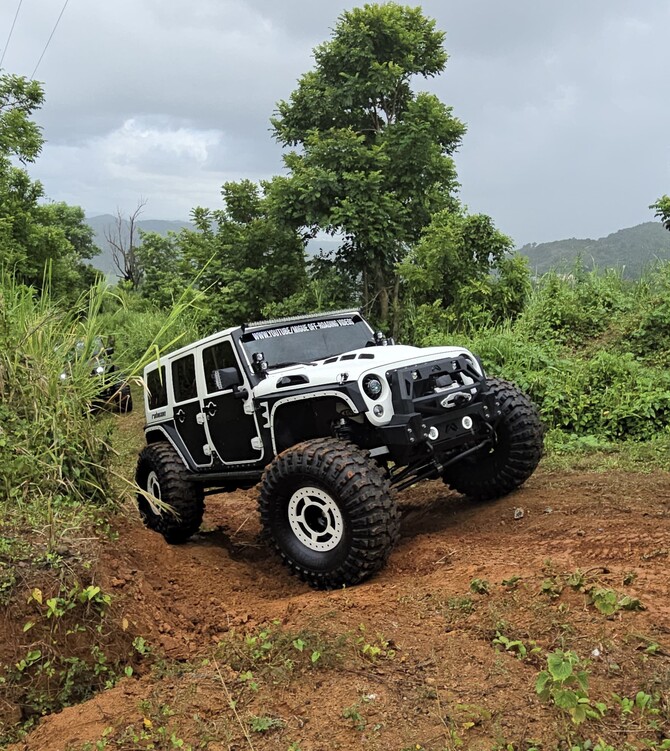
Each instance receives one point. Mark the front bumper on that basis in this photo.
(438, 407)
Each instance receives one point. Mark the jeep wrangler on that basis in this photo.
(330, 417)
(113, 392)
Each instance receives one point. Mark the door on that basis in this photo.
(231, 422)
(188, 418)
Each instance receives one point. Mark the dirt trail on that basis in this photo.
(186, 599)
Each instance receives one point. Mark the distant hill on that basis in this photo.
(104, 261)
(631, 249)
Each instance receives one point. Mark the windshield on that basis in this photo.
(309, 341)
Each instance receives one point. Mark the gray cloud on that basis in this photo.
(565, 105)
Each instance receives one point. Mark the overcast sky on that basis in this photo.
(566, 103)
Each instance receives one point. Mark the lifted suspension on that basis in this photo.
(432, 469)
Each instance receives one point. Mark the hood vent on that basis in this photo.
(364, 356)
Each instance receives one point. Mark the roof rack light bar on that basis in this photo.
(295, 319)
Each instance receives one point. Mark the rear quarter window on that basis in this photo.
(183, 379)
(157, 388)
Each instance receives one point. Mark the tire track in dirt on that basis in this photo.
(186, 598)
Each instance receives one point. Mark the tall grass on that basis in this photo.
(54, 450)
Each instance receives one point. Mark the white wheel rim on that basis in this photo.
(315, 519)
(153, 489)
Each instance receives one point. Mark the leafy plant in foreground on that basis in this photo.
(565, 683)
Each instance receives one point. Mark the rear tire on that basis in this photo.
(161, 474)
(329, 511)
(495, 472)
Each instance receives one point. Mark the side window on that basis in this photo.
(183, 379)
(217, 357)
(157, 389)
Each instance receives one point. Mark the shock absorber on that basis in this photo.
(343, 429)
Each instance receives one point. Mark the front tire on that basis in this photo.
(329, 511)
(495, 472)
(162, 475)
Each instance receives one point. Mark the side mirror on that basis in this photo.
(226, 378)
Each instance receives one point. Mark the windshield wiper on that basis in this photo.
(287, 363)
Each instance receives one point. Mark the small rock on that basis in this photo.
(518, 513)
(549, 510)
(118, 582)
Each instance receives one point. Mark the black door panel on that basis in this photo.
(231, 428)
(192, 433)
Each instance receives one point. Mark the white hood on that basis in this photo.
(353, 367)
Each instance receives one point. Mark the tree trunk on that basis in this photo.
(395, 307)
(381, 296)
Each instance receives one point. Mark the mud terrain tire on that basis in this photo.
(161, 473)
(497, 471)
(329, 511)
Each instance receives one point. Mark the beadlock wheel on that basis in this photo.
(329, 510)
(153, 488)
(315, 519)
(161, 475)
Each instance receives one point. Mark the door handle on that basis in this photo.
(180, 415)
(211, 409)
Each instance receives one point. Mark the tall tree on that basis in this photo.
(375, 158)
(36, 238)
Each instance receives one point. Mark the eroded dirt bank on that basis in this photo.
(408, 659)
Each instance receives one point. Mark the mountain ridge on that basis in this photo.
(630, 249)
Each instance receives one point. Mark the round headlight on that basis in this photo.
(99, 370)
(372, 386)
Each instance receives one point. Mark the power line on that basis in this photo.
(53, 31)
(16, 15)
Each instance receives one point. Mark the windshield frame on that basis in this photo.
(355, 323)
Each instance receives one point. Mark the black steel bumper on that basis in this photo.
(438, 407)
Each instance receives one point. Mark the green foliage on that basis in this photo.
(352, 713)
(19, 135)
(565, 684)
(375, 157)
(141, 329)
(70, 651)
(480, 586)
(630, 251)
(608, 602)
(240, 258)
(662, 207)
(568, 309)
(263, 724)
(590, 349)
(515, 646)
(374, 648)
(462, 276)
(275, 653)
(51, 448)
(37, 240)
